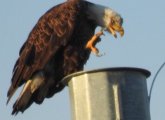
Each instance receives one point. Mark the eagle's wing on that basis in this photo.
(52, 31)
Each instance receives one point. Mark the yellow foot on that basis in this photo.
(91, 43)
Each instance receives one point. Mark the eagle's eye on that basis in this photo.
(112, 22)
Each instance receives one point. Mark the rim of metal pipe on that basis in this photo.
(66, 79)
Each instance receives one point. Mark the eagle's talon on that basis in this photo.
(91, 43)
(92, 48)
(99, 55)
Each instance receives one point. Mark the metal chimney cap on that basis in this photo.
(66, 79)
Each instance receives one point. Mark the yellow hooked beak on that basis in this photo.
(113, 28)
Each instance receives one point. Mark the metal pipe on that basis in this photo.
(109, 94)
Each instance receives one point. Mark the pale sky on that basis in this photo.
(142, 46)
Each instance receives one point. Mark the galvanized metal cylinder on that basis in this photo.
(109, 94)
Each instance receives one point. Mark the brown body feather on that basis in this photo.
(55, 48)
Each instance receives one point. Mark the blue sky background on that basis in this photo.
(142, 46)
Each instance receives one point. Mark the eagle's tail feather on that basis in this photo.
(26, 97)
(10, 93)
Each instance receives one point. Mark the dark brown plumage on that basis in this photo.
(53, 50)
(56, 47)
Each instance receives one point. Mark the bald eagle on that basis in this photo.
(58, 45)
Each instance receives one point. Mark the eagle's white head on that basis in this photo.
(107, 18)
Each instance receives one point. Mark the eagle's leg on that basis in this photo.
(91, 43)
